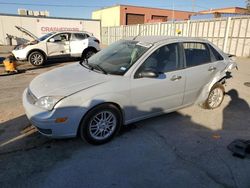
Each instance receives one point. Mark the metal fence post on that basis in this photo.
(122, 30)
(188, 28)
(229, 19)
(159, 28)
(108, 35)
(138, 30)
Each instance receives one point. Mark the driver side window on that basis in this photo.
(164, 59)
(61, 37)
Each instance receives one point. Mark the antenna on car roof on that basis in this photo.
(145, 29)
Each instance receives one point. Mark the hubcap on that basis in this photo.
(102, 125)
(215, 98)
(36, 59)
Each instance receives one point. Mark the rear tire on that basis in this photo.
(215, 97)
(36, 58)
(101, 124)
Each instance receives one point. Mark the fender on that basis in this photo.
(122, 101)
(219, 77)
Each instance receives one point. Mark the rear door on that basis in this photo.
(78, 42)
(201, 67)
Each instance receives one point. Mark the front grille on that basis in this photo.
(31, 97)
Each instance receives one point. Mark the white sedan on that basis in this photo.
(130, 80)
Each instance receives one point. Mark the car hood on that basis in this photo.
(27, 32)
(65, 81)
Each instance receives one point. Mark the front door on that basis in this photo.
(59, 45)
(151, 96)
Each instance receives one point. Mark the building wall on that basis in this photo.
(108, 16)
(40, 26)
(214, 15)
(116, 15)
(226, 10)
(149, 12)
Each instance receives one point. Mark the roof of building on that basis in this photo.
(221, 9)
(122, 5)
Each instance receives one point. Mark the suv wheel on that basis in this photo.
(36, 58)
(215, 97)
(101, 124)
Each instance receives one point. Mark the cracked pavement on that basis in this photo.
(187, 148)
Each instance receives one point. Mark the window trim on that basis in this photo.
(212, 54)
(69, 36)
(74, 38)
(181, 64)
(184, 53)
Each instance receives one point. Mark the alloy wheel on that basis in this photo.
(215, 98)
(36, 59)
(102, 125)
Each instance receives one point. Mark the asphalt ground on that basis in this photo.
(187, 148)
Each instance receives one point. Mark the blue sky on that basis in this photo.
(85, 12)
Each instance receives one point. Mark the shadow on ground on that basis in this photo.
(50, 63)
(26, 66)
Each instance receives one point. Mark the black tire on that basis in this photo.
(36, 58)
(88, 53)
(219, 98)
(92, 117)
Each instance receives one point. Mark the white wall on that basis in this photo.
(40, 26)
(108, 16)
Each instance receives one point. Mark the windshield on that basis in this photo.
(45, 36)
(119, 56)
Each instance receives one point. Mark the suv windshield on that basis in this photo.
(119, 56)
(45, 36)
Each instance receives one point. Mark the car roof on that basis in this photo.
(85, 32)
(163, 39)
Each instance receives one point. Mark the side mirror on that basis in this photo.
(51, 40)
(148, 74)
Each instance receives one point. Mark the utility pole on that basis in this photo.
(173, 13)
(193, 5)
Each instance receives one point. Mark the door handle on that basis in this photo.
(175, 78)
(211, 69)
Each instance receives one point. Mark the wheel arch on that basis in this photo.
(96, 106)
(37, 50)
(219, 78)
(89, 48)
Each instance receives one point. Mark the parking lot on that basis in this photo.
(187, 148)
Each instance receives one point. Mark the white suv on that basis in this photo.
(56, 45)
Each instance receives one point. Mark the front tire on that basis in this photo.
(36, 58)
(215, 97)
(101, 124)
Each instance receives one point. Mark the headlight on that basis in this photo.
(48, 102)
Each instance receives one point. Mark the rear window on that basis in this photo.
(79, 36)
(216, 54)
(196, 54)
